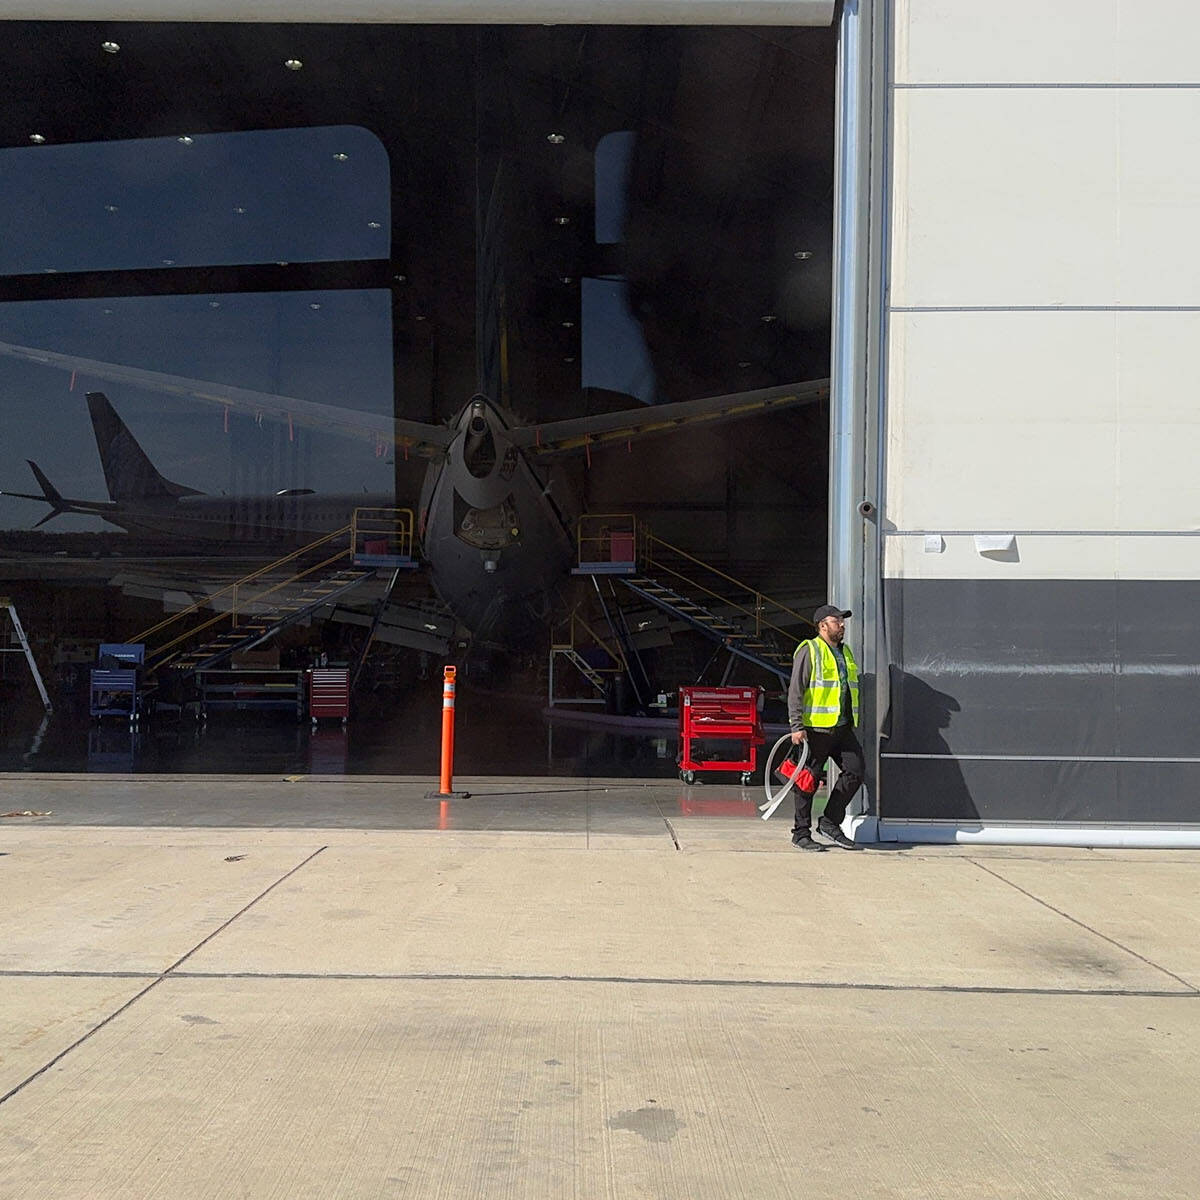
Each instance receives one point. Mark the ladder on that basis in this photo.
(23, 648)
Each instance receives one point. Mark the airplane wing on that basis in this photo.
(576, 433)
(414, 437)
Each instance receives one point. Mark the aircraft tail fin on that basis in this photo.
(50, 494)
(128, 471)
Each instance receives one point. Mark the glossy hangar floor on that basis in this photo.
(329, 987)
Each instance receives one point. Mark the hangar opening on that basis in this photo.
(362, 349)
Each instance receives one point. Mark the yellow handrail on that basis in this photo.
(760, 598)
(161, 650)
(207, 601)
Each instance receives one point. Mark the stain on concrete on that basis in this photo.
(197, 1019)
(654, 1124)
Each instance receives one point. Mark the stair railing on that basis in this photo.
(232, 590)
(658, 552)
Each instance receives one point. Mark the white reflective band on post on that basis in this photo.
(518, 12)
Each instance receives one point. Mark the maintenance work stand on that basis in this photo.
(8, 608)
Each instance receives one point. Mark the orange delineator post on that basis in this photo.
(447, 779)
(448, 730)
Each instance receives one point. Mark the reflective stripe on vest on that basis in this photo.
(823, 695)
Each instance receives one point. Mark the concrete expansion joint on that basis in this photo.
(173, 969)
(1085, 926)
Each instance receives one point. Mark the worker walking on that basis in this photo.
(823, 710)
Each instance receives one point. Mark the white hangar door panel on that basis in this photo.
(1041, 561)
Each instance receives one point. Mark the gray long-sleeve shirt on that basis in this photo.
(801, 674)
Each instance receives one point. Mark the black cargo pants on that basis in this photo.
(840, 744)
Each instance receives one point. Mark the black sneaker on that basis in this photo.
(835, 835)
(804, 842)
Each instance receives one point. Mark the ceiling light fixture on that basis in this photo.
(769, 318)
(374, 225)
(110, 208)
(185, 140)
(110, 47)
(569, 359)
(314, 306)
(744, 364)
(562, 220)
(555, 139)
(214, 304)
(422, 317)
(400, 278)
(237, 208)
(340, 157)
(568, 324)
(803, 254)
(37, 139)
(567, 279)
(293, 64)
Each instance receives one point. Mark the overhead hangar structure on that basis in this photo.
(1012, 424)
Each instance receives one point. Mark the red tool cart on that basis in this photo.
(329, 693)
(727, 714)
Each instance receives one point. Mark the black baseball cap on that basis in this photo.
(829, 610)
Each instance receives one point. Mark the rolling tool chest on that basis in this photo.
(720, 714)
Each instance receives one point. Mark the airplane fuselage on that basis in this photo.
(497, 544)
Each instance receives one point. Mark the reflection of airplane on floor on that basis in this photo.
(496, 541)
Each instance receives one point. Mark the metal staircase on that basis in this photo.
(742, 619)
(268, 599)
(245, 635)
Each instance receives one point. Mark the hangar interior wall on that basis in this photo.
(1040, 522)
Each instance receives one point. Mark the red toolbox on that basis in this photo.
(329, 693)
(726, 714)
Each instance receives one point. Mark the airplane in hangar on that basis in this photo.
(496, 538)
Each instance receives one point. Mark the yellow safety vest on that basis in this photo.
(823, 695)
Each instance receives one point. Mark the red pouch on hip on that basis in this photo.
(806, 781)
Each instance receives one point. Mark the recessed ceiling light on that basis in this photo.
(803, 254)
(374, 225)
(293, 64)
(562, 220)
(340, 157)
(283, 264)
(168, 262)
(51, 271)
(422, 317)
(568, 324)
(555, 139)
(566, 279)
(185, 140)
(400, 278)
(110, 208)
(237, 208)
(109, 47)
(37, 139)
(214, 304)
(314, 306)
(769, 318)
(569, 359)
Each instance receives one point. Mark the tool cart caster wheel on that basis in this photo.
(687, 776)
(745, 778)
